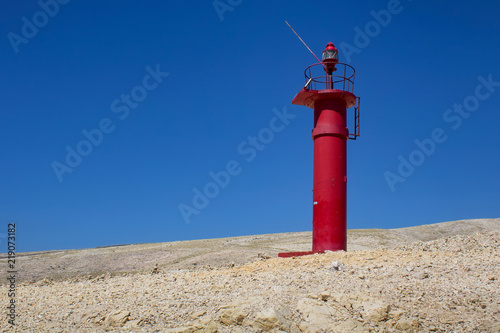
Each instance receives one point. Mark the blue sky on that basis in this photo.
(171, 92)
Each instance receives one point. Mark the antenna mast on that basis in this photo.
(296, 34)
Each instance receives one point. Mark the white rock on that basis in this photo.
(336, 266)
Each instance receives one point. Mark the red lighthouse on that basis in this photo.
(329, 92)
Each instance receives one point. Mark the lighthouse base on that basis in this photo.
(297, 254)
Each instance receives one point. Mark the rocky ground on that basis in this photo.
(449, 284)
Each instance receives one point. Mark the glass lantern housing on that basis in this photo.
(331, 54)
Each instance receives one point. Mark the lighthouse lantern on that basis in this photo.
(330, 54)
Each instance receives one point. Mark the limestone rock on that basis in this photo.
(494, 327)
(156, 269)
(375, 310)
(91, 315)
(235, 312)
(198, 314)
(317, 315)
(200, 326)
(210, 327)
(117, 318)
(268, 319)
(233, 316)
(349, 325)
(396, 313)
(271, 318)
(263, 256)
(407, 325)
(132, 324)
(182, 329)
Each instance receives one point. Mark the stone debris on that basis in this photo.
(447, 285)
(155, 270)
(317, 315)
(198, 314)
(263, 256)
(270, 318)
(235, 312)
(117, 318)
(336, 266)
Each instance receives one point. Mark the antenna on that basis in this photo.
(304, 43)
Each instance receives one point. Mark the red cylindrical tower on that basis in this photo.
(329, 180)
(329, 91)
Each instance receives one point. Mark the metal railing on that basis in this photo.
(318, 79)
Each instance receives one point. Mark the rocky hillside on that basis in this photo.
(220, 252)
(433, 278)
